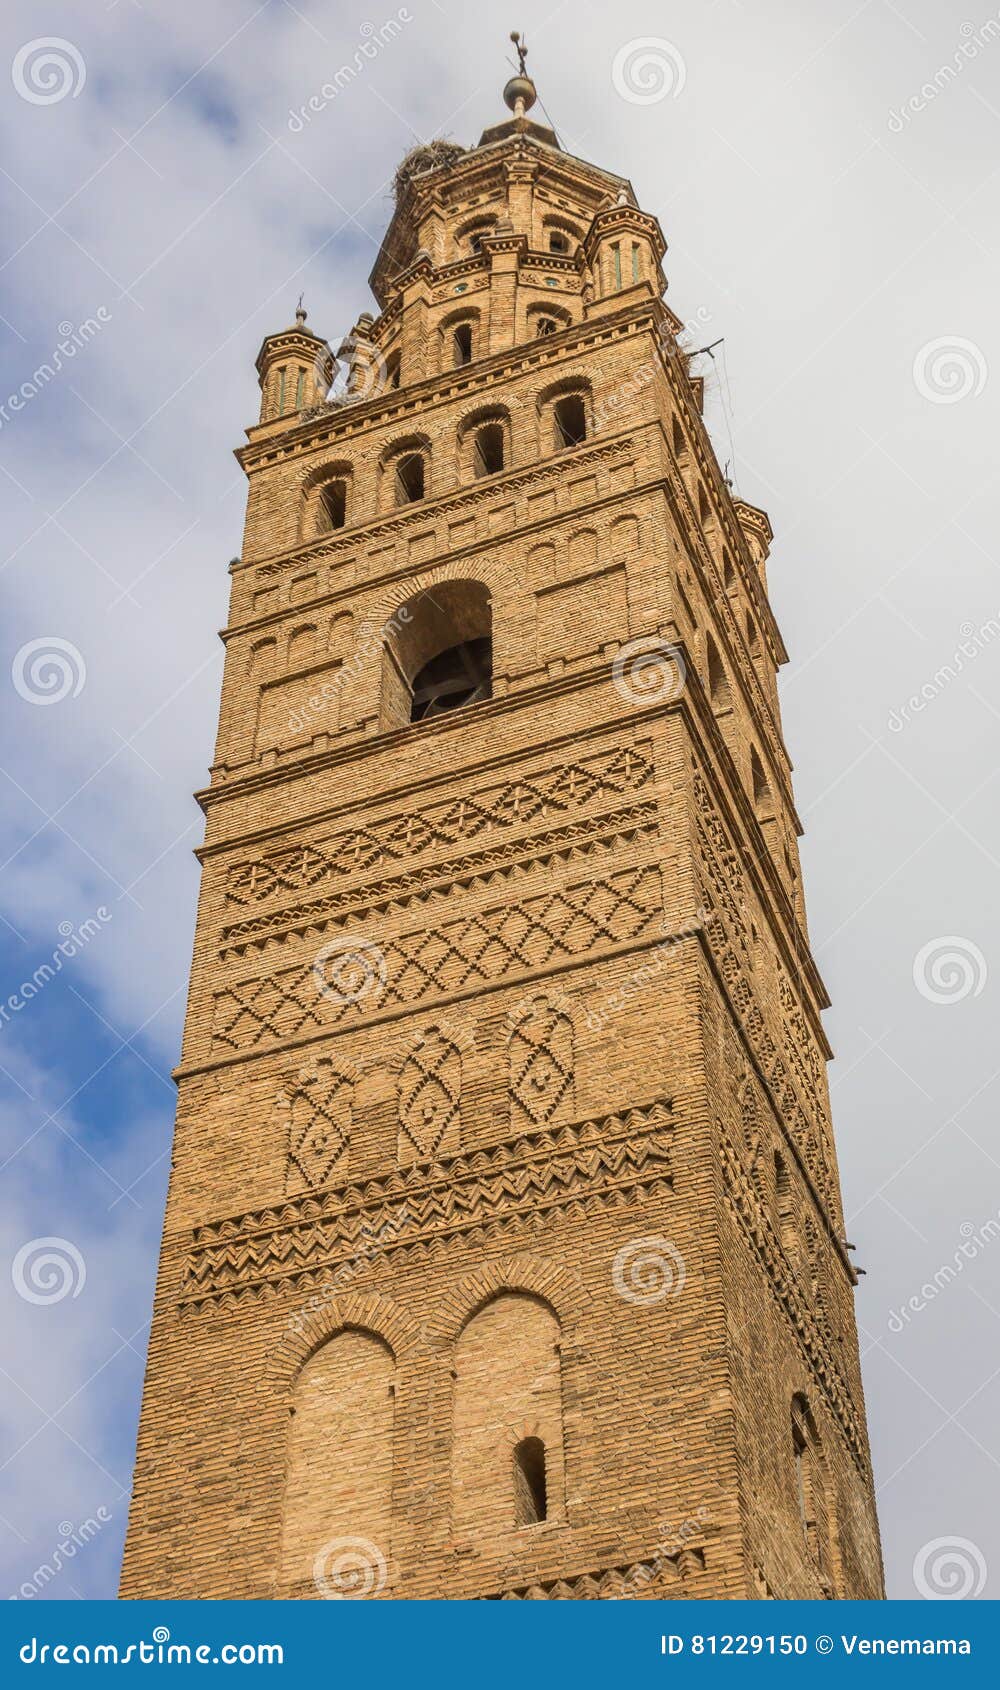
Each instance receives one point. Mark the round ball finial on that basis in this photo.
(520, 92)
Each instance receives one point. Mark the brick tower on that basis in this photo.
(504, 1253)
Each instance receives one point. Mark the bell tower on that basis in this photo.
(504, 1254)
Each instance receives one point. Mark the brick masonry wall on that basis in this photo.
(519, 1181)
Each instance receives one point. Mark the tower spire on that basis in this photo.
(520, 93)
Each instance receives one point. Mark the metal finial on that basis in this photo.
(519, 94)
(300, 312)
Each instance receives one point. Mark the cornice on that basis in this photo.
(437, 389)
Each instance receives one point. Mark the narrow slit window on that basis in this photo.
(617, 252)
(281, 392)
(461, 345)
(409, 479)
(300, 389)
(800, 1453)
(530, 1499)
(488, 456)
(570, 418)
(333, 505)
(635, 262)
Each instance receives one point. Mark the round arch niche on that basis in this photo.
(439, 653)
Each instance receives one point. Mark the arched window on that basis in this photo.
(507, 1452)
(469, 238)
(784, 1206)
(753, 638)
(339, 1480)
(762, 801)
(461, 345)
(569, 415)
(409, 478)
(718, 680)
(558, 242)
(530, 1501)
(810, 1494)
(392, 368)
(438, 653)
(332, 506)
(679, 442)
(545, 326)
(488, 454)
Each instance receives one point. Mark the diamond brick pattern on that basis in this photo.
(451, 958)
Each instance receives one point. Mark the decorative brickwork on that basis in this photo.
(451, 958)
(509, 1188)
(503, 1256)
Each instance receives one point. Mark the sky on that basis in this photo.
(827, 176)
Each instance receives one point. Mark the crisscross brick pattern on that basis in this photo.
(451, 958)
